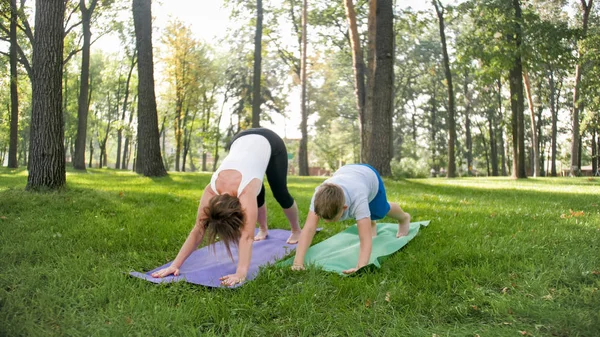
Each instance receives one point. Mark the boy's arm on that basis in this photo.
(246, 240)
(193, 240)
(308, 232)
(366, 244)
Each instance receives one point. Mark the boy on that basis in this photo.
(353, 192)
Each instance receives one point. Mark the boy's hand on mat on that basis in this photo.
(350, 271)
(166, 272)
(298, 267)
(233, 279)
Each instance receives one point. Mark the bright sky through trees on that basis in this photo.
(209, 21)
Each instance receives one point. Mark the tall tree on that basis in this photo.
(149, 161)
(586, 8)
(303, 149)
(256, 92)
(47, 163)
(534, 129)
(379, 120)
(439, 9)
(517, 100)
(358, 64)
(83, 109)
(14, 93)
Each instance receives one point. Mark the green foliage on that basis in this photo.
(410, 168)
(499, 257)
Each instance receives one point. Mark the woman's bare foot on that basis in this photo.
(261, 235)
(403, 226)
(294, 237)
(373, 228)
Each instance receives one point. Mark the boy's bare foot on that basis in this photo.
(403, 226)
(294, 237)
(373, 228)
(261, 235)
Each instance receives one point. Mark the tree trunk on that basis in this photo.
(501, 148)
(256, 92)
(359, 67)
(577, 102)
(554, 102)
(380, 133)
(493, 145)
(303, 148)
(367, 127)
(149, 161)
(541, 143)
(594, 152)
(534, 138)
(91, 153)
(127, 147)
(451, 113)
(125, 103)
(14, 93)
(83, 102)
(487, 156)
(47, 163)
(517, 100)
(469, 139)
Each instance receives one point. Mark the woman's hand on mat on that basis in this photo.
(298, 267)
(233, 279)
(166, 272)
(350, 271)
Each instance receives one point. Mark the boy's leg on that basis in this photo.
(261, 216)
(403, 219)
(373, 228)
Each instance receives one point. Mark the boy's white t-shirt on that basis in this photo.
(360, 185)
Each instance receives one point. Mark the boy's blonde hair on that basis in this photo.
(329, 201)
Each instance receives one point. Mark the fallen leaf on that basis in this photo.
(524, 333)
(3, 217)
(492, 215)
(474, 307)
(547, 297)
(121, 194)
(368, 303)
(387, 297)
(128, 320)
(596, 272)
(576, 214)
(504, 290)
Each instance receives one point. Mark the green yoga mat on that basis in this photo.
(340, 252)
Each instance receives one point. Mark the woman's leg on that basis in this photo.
(263, 230)
(277, 177)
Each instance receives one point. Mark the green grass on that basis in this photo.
(497, 260)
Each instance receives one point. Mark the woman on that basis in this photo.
(235, 200)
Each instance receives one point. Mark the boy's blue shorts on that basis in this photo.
(379, 206)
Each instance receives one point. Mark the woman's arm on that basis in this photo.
(308, 233)
(193, 240)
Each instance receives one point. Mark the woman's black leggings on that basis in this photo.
(276, 169)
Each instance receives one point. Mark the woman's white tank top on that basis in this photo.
(248, 155)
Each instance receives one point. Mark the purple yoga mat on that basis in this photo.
(204, 267)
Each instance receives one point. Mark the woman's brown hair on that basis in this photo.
(225, 220)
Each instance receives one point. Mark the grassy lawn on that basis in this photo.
(500, 258)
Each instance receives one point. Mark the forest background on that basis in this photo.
(472, 87)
